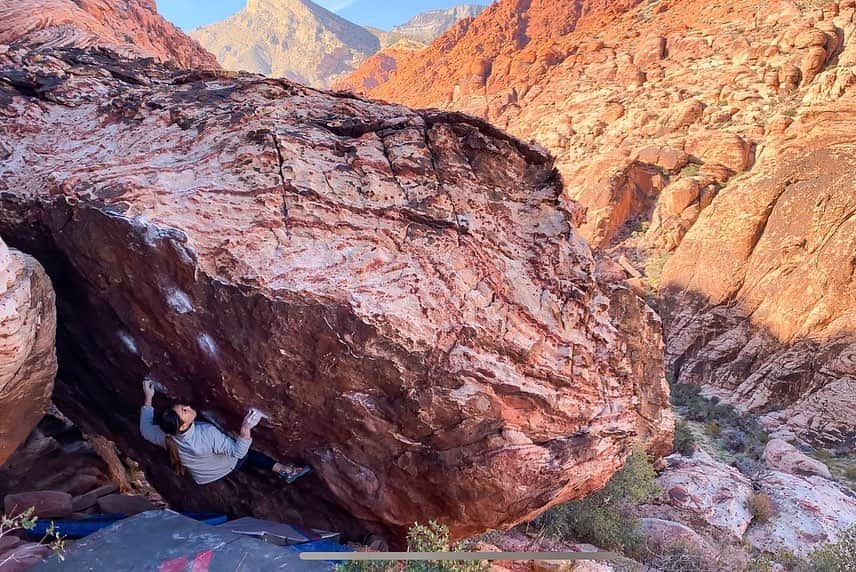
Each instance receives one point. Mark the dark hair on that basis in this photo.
(169, 422)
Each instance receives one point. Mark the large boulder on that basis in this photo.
(708, 492)
(782, 456)
(403, 293)
(27, 358)
(810, 511)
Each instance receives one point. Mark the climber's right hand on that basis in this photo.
(148, 389)
(252, 419)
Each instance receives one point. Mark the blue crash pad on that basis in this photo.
(86, 526)
(165, 541)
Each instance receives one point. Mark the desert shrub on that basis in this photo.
(680, 558)
(431, 537)
(24, 521)
(760, 507)
(734, 440)
(713, 428)
(654, 269)
(605, 518)
(748, 465)
(691, 170)
(684, 443)
(366, 566)
(736, 432)
(762, 563)
(839, 556)
(791, 562)
(434, 537)
(850, 473)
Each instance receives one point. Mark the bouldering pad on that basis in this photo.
(277, 532)
(165, 541)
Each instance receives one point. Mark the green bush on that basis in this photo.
(713, 428)
(605, 518)
(760, 507)
(431, 537)
(654, 269)
(850, 473)
(684, 443)
(837, 557)
(736, 432)
(691, 170)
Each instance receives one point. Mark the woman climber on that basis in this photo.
(204, 451)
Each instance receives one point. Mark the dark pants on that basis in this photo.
(256, 460)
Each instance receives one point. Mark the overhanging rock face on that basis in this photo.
(402, 292)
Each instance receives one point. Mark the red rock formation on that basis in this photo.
(403, 292)
(27, 358)
(654, 110)
(130, 27)
(760, 297)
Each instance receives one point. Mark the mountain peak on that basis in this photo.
(296, 39)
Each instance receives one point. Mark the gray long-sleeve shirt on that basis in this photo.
(205, 451)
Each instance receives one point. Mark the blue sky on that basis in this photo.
(384, 14)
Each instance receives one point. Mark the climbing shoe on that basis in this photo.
(294, 474)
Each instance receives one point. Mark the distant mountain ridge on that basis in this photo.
(302, 41)
(295, 39)
(427, 26)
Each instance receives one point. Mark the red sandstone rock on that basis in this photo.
(46, 504)
(27, 359)
(123, 504)
(711, 491)
(810, 511)
(130, 27)
(402, 292)
(782, 456)
(760, 295)
(20, 556)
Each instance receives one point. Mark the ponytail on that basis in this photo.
(170, 423)
(174, 459)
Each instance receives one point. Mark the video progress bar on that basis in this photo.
(458, 556)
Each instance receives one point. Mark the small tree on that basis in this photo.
(684, 442)
(27, 521)
(431, 537)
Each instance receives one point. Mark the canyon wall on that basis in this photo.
(685, 118)
(130, 27)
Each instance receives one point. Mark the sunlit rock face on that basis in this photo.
(403, 293)
(714, 131)
(130, 27)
